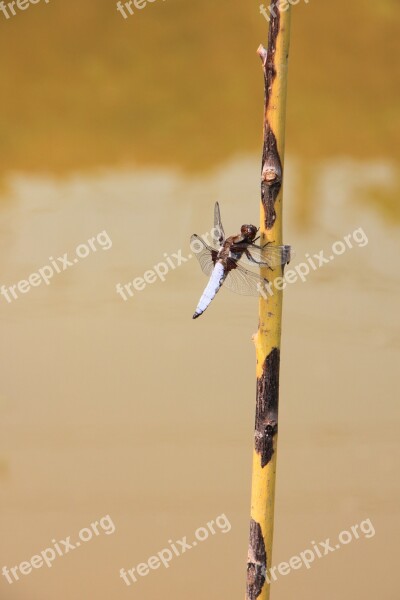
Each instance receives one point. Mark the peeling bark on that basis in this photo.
(271, 165)
(266, 425)
(256, 562)
(271, 176)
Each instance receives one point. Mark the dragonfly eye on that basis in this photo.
(249, 231)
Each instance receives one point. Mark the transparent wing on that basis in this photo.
(242, 281)
(239, 280)
(268, 256)
(218, 233)
(205, 254)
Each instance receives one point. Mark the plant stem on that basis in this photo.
(268, 337)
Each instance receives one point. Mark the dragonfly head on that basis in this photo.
(249, 232)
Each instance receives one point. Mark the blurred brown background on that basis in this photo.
(131, 409)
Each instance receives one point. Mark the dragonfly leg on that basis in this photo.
(261, 247)
(257, 262)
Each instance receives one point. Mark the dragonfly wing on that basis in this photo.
(205, 254)
(242, 281)
(268, 256)
(218, 234)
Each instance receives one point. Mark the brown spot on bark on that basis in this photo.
(269, 64)
(271, 176)
(256, 562)
(266, 425)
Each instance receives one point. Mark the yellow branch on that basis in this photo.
(267, 339)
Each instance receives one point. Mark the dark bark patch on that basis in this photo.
(266, 425)
(269, 67)
(271, 168)
(271, 176)
(256, 562)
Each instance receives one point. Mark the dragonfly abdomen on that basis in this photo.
(215, 282)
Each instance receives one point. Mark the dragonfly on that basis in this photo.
(225, 266)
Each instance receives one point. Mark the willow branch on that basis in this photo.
(267, 340)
